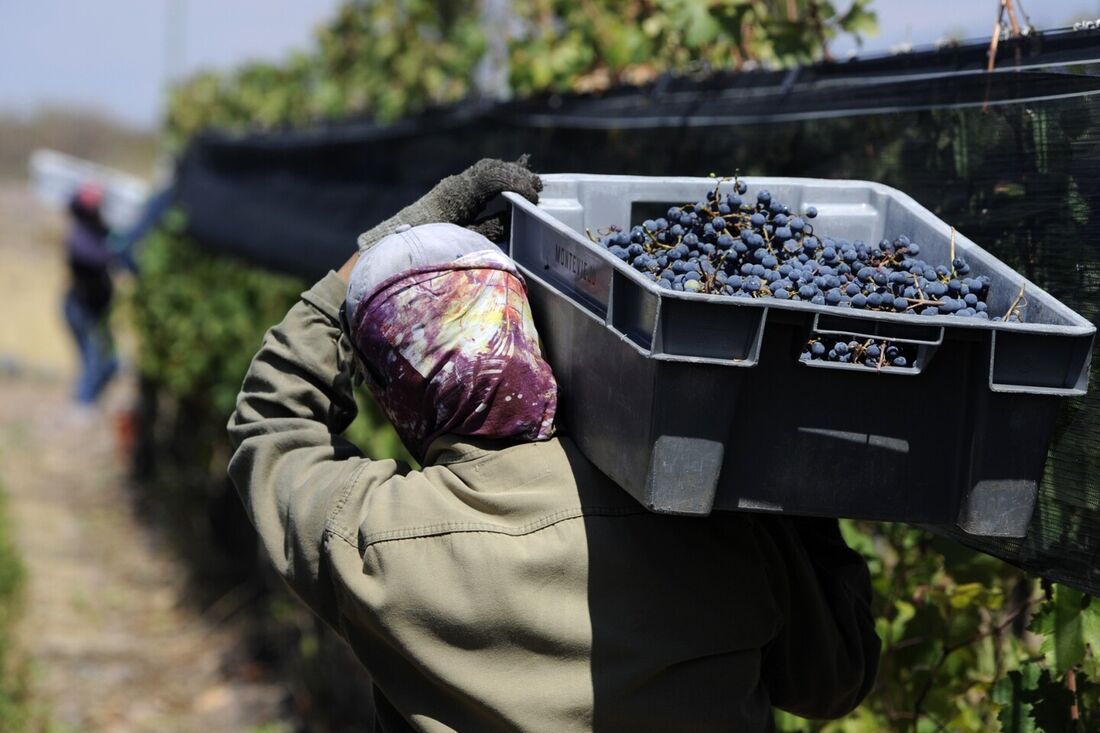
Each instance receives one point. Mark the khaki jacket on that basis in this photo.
(514, 587)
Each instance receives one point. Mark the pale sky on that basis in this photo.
(111, 54)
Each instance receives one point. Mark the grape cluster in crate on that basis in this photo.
(755, 247)
(868, 352)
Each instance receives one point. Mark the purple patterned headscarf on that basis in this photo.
(451, 349)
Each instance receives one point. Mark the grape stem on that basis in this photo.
(767, 240)
(952, 252)
(915, 302)
(710, 278)
(658, 244)
(1012, 308)
(718, 185)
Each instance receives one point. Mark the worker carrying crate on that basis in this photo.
(509, 583)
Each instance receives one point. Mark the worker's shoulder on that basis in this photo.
(475, 487)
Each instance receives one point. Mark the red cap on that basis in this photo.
(90, 195)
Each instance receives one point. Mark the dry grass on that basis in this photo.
(83, 133)
(110, 633)
(33, 279)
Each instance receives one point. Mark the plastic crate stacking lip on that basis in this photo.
(649, 396)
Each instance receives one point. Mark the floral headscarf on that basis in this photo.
(451, 349)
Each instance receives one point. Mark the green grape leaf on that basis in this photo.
(1002, 691)
(1016, 684)
(1030, 674)
(1064, 645)
(695, 19)
(905, 613)
(1078, 205)
(1017, 718)
(1090, 625)
(962, 596)
(859, 20)
(1042, 622)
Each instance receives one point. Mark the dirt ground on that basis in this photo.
(110, 642)
(32, 278)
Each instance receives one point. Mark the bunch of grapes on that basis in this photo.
(871, 353)
(756, 247)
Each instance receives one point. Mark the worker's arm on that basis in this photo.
(825, 658)
(291, 466)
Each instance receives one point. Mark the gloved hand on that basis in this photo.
(458, 199)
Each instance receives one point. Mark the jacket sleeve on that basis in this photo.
(291, 467)
(824, 660)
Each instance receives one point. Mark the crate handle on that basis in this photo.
(910, 371)
(1036, 363)
(927, 340)
(920, 335)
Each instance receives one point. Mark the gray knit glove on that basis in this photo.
(459, 199)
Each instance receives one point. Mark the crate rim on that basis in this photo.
(1079, 326)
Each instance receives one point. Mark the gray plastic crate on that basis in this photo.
(696, 402)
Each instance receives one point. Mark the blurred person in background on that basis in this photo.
(508, 584)
(88, 299)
